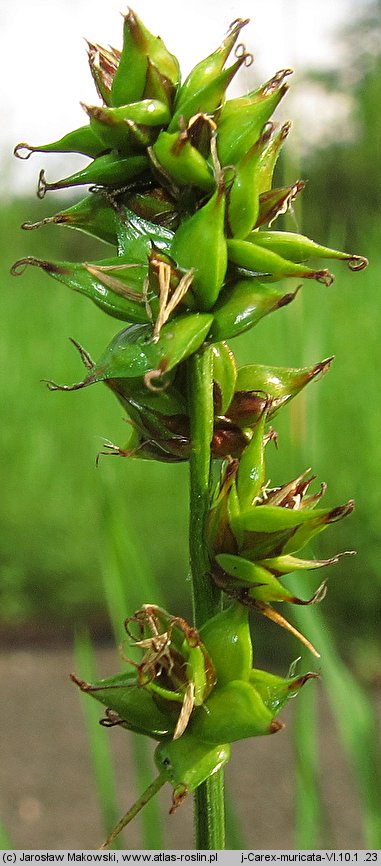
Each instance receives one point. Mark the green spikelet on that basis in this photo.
(204, 232)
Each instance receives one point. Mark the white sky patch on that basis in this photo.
(45, 63)
(331, 123)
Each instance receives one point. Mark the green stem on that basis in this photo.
(209, 797)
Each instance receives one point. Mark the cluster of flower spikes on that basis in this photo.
(180, 183)
(196, 692)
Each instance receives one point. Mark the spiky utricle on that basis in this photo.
(185, 157)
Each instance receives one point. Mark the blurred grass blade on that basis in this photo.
(127, 578)
(306, 757)
(99, 747)
(313, 827)
(355, 721)
(128, 583)
(5, 844)
(151, 818)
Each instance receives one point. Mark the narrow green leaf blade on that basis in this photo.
(98, 743)
(356, 724)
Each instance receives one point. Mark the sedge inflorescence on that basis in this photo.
(180, 183)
